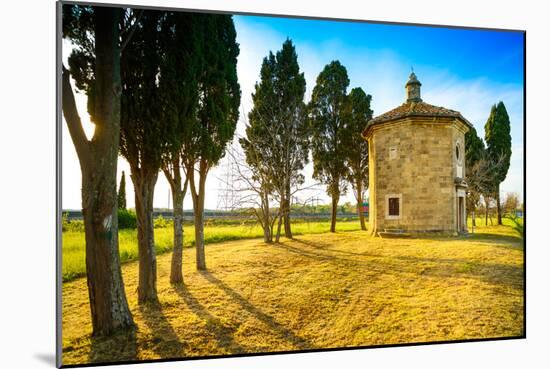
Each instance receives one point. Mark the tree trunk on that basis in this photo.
(335, 199)
(499, 210)
(172, 172)
(144, 187)
(108, 303)
(286, 219)
(486, 213)
(176, 273)
(359, 187)
(98, 162)
(278, 236)
(286, 212)
(199, 234)
(268, 235)
(198, 210)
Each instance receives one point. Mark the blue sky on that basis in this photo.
(461, 69)
(496, 55)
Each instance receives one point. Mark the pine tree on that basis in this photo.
(122, 193)
(358, 113)
(277, 137)
(98, 34)
(327, 124)
(475, 153)
(144, 135)
(217, 114)
(499, 147)
(178, 92)
(475, 147)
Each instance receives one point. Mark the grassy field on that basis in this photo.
(317, 291)
(73, 243)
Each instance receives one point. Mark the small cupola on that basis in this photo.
(413, 89)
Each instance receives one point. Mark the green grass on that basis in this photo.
(316, 291)
(516, 224)
(73, 243)
(480, 221)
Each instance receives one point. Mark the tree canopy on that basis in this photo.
(144, 134)
(475, 148)
(327, 123)
(179, 71)
(498, 139)
(217, 112)
(478, 178)
(499, 147)
(358, 113)
(178, 82)
(276, 140)
(219, 93)
(328, 130)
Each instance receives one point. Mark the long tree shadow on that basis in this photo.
(298, 342)
(326, 246)
(164, 341)
(326, 255)
(494, 273)
(507, 275)
(494, 239)
(121, 346)
(373, 266)
(222, 333)
(501, 241)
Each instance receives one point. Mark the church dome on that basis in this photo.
(414, 107)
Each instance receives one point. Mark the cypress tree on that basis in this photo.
(327, 124)
(277, 130)
(474, 153)
(358, 113)
(94, 64)
(475, 148)
(122, 193)
(499, 147)
(178, 90)
(144, 135)
(217, 113)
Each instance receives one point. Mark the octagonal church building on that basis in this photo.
(417, 168)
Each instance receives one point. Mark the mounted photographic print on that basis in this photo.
(242, 184)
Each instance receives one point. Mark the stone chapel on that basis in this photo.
(417, 168)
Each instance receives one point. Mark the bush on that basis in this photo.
(64, 222)
(160, 222)
(126, 219)
(71, 225)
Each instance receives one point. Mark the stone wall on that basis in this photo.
(415, 159)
